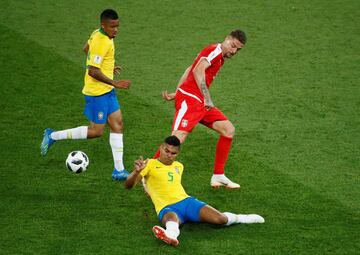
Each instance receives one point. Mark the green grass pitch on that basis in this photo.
(293, 95)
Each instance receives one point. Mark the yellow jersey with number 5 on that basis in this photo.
(164, 183)
(101, 55)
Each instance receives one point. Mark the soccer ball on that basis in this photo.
(77, 162)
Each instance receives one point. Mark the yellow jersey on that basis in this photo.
(164, 183)
(101, 55)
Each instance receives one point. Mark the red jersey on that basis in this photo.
(213, 55)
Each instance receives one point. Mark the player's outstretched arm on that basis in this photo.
(170, 96)
(135, 176)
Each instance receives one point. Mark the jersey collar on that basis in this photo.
(103, 32)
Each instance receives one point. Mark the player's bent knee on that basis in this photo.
(229, 130)
(181, 135)
(94, 133)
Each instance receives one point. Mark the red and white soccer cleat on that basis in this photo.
(160, 233)
(218, 180)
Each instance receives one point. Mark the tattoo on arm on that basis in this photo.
(205, 92)
(204, 89)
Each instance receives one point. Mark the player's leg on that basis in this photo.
(211, 215)
(115, 122)
(95, 109)
(82, 132)
(227, 131)
(171, 231)
(217, 121)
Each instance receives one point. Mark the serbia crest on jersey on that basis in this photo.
(213, 55)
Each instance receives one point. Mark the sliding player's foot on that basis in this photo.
(249, 218)
(161, 233)
(218, 180)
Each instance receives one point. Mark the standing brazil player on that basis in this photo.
(101, 104)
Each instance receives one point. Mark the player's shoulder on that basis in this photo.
(98, 35)
(151, 161)
(211, 47)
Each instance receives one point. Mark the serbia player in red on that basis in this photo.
(193, 102)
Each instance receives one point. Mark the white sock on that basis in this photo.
(232, 218)
(117, 147)
(72, 134)
(172, 228)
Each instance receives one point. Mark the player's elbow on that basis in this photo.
(128, 184)
(93, 71)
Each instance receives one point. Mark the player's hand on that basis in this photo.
(117, 70)
(123, 84)
(140, 164)
(168, 96)
(208, 104)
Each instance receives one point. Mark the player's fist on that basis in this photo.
(208, 104)
(168, 96)
(123, 84)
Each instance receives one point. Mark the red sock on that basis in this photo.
(157, 154)
(222, 153)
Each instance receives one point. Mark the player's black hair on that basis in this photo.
(108, 14)
(172, 140)
(240, 35)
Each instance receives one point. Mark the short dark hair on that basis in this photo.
(172, 140)
(108, 14)
(240, 35)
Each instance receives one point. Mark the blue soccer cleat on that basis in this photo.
(120, 175)
(47, 141)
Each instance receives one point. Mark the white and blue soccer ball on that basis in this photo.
(77, 162)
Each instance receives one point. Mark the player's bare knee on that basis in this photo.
(99, 132)
(117, 129)
(180, 135)
(229, 130)
(95, 132)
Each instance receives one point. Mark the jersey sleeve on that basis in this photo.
(146, 170)
(97, 51)
(214, 55)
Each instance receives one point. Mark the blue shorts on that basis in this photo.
(187, 209)
(97, 108)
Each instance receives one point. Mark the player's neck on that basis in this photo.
(101, 30)
(222, 49)
(164, 163)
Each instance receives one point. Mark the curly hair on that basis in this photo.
(240, 35)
